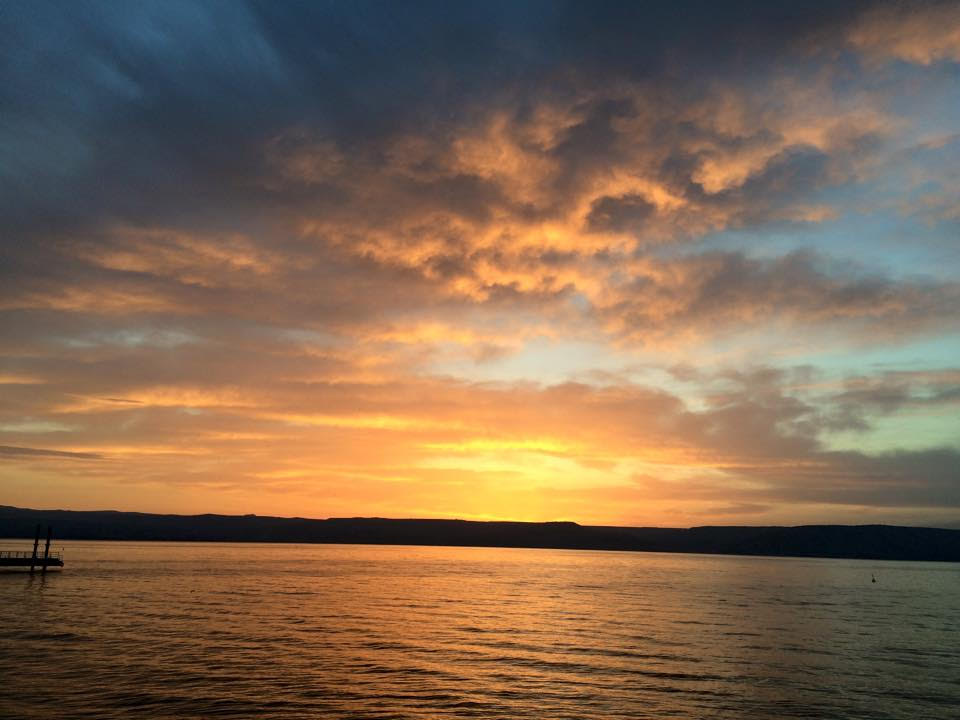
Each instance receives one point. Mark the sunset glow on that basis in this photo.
(496, 261)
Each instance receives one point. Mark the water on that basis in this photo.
(177, 630)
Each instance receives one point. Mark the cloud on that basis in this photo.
(475, 209)
(341, 252)
(8, 451)
(914, 32)
(718, 292)
(622, 214)
(755, 439)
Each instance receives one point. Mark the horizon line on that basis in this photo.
(4, 506)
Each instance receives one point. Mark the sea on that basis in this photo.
(221, 630)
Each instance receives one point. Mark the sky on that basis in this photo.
(659, 263)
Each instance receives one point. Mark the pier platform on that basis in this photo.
(26, 558)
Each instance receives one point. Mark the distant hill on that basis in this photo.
(878, 542)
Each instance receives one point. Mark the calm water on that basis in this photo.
(177, 630)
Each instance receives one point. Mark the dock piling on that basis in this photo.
(46, 549)
(36, 542)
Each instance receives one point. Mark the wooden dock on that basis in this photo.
(25, 558)
(32, 559)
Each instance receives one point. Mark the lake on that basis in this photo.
(180, 630)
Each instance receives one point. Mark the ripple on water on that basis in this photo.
(416, 633)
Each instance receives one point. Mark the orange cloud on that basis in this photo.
(307, 315)
(922, 33)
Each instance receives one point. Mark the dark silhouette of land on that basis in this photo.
(878, 542)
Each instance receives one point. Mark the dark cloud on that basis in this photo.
(904, 478)
(730, 290)
(133, 115)
(775, 437)
(620, 214)
(793, 173)
(6, 451)
(153, 109)
(887, 393)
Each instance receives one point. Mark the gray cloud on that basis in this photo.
(620, 214)
(7, 451)
(715, 291)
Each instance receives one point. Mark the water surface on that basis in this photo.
(179, 630)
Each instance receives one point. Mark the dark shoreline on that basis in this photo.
(866, 542)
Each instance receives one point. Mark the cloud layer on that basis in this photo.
(610, 263)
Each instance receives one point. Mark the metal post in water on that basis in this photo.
(36, 541)
(46, 550)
